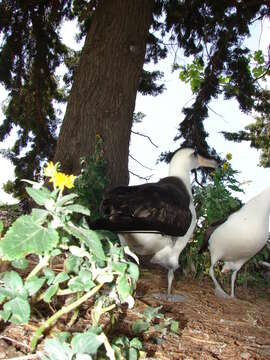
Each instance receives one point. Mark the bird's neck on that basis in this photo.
(261, 201)
(182, 174)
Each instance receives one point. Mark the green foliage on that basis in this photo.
(91, 183)
(32, 50)
(258, 131)
(126, 349)
(193, 74)
(92, 261)
(213, 202)
(148, 322)
(81, 346)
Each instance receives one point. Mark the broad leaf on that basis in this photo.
(72, 264)
(123, 288)
(50, 292)
(14, 284)
(119, 267)
(26, 236)
(133, 271)
(40, 196)
(140, 326)
(5, 315)
(133, 354)
(57, 350)
(34, 284)
(39, 216)
(89, 237)
(136, 343)
(174, 326)
(78, 209)
(20, 310)
(61, 277)
(49, 274)
(87, 343)
(21, 264)
(65, 199)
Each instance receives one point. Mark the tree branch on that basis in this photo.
(140, 134)
(146, 178)
(137, 161)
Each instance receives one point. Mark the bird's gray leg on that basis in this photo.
(233, 281)
(218, 289)
(170, 280)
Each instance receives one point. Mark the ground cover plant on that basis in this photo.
(94, 267)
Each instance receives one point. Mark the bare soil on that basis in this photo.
(209, 328)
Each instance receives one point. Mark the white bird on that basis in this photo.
(239, 238)
(165, 207)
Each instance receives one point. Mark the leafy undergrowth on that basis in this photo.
(209, 328)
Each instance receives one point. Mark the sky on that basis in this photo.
(163, 115)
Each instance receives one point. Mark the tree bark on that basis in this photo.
(103, 94)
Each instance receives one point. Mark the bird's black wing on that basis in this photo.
(161, 206)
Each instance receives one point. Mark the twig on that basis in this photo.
(43, 263)
(221, 116)
(140, 134)
(146, 178)
(14, 341)
(64, 310)
(38, 355)
(146, 167)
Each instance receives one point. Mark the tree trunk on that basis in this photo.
(103, 94)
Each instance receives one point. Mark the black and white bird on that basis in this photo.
(165, 207)
(239, 238)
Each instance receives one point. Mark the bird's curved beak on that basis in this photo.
(204, 162)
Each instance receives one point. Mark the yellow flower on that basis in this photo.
(229, 156)
(62, 180)
(51, 169)
(225, 166)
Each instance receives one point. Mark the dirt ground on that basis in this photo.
(209, 328)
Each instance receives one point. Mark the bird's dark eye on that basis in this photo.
(195, 153)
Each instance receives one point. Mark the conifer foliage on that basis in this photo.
(210, 32)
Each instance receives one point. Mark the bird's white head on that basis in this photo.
(186, 159)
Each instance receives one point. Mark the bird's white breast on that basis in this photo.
(241, 236)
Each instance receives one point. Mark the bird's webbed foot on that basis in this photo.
(220, 293)
(169, 297)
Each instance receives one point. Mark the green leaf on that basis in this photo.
(5, 315)
(40, 196)
(21, 264)
(66, 198)
(50, 292)
(136, 343)
(119, 267)
(174, 326)
(78, 209)
(34, 284)
(87, 343)
(140, 326)
(132, 354)
(88, 237)
(61, 277)
(123, 288)
(20, 310)
(82, 282)
(133, 270)
(49, 274)
(39, 216)
(26, 236)
(72, 264)
(14, 284)
(57, 350)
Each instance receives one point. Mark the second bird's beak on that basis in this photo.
(204, 162)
